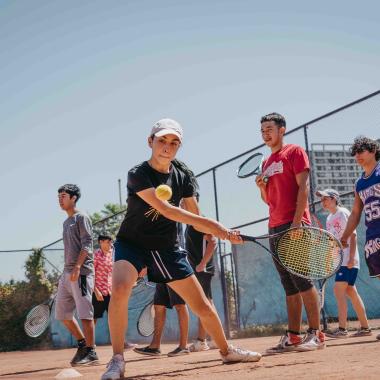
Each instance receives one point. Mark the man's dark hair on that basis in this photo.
(276, 117)
(70, 189)
(104, 237)
(362, 143)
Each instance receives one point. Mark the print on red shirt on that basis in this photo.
(282, 189)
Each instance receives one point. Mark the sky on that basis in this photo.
(81, 84)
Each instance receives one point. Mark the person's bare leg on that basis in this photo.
(192, 293)
(74, 328)
(183, 321)
(294, 310)
(89, 332)
(358, 305)
(202, 333)
(124, 276)
(311, 302)
(159, 324)
(340, 289)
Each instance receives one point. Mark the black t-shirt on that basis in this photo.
(196, 246)
(143, 225)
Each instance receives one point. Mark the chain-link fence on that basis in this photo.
(236, 202)
(246, 287)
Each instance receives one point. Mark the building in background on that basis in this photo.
(333, 167)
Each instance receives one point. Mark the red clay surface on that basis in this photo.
(350, 358)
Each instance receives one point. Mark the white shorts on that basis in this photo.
(74, 295)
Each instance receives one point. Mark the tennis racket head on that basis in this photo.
(145, 323)
(309, 252)
(37, 320)
(251, 166)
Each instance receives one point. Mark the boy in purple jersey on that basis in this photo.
(367, 197)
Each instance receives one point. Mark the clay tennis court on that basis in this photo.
(353, 358)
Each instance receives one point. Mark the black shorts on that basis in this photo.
(100, 306)
(291, 283)
(163, 265)
(204, 279)
(164, 296)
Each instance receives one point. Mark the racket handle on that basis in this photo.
(247, 238)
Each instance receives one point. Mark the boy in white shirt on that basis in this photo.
(346, 276)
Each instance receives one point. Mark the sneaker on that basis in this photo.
(338, 333)
(199, 345)
(288, 342)
(179, 351)
(312, 341)
(235, 355)
(129, 346)
(115, 368)
(89, 357)
(362, 332)
(212, 345)
(148, 351)
(79, 355)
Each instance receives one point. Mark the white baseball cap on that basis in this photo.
(167, 127)
(331, 193)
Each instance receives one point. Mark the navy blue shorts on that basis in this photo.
(164, 296)
(372, 256)
(347, 275)
(163, 265)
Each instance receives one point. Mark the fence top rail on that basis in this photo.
(342, 195)
(304, 125)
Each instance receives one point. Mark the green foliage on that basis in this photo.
(17, 298)
(111, 225)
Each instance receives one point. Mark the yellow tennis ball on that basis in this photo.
(164, 192)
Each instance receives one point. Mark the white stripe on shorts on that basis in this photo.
(158, 265)
(163, 265)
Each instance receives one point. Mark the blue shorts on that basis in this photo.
(163, 265)
(347, 275)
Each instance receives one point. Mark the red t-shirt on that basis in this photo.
(282, 188)
(103, 272)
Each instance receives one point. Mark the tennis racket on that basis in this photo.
(307, 252)
(252, 166)
(145, 322)
(38, 318)
(321, 284)
(142, 284)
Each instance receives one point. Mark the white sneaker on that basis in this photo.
(115, 368)
(285, 344)
(199, 345)
(212, 345)
(314, 340)
(235, 355)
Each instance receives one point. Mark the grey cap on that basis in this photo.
(332, 193)
(167, 127)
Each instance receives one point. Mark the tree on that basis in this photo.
(108, 220)
(17, 298)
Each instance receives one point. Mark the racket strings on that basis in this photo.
(310, 253)
(146, 321)
(37, 320)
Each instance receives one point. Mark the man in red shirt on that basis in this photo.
(286, 192)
